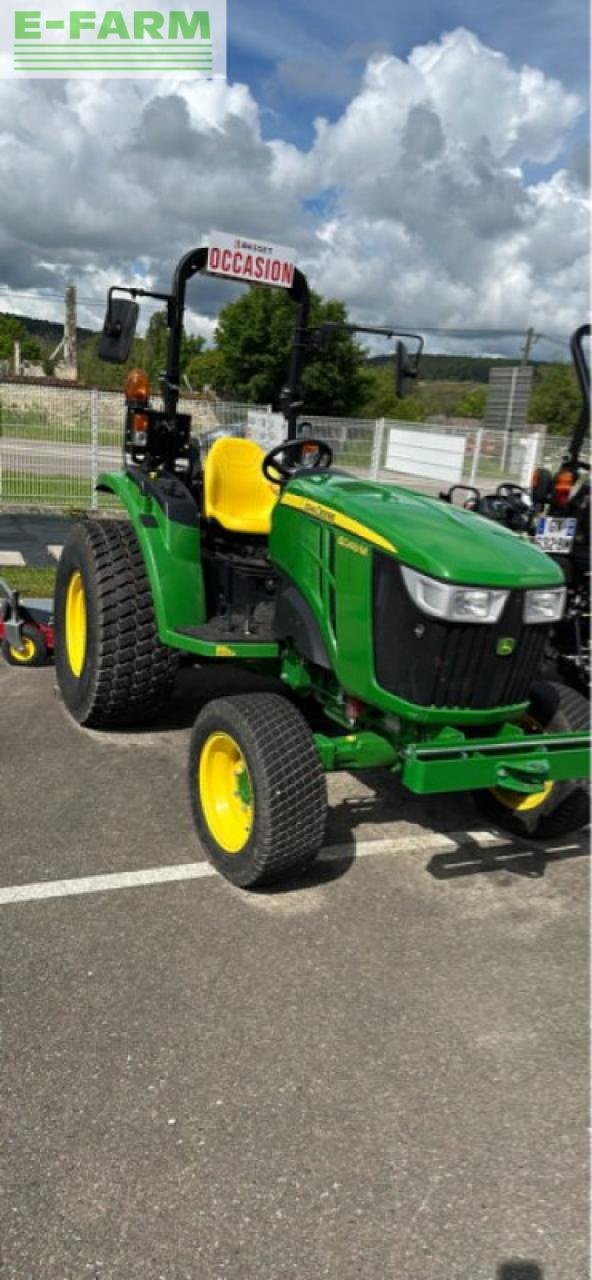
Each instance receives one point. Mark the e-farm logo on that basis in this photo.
(59, 42)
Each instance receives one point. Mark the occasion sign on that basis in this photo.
(250, 260)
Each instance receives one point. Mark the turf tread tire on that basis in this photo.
(290, 793)
(128, 674)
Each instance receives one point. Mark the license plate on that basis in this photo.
(555, 535)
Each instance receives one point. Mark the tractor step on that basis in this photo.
(236, 629)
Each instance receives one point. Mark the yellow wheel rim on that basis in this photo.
(226, 792)
(26, 654)
(76, 623)
(521, 803)
(518, 801)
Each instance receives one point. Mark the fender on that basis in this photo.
(167, 529)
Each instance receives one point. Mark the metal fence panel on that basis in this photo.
(351, 439)
(55, 440)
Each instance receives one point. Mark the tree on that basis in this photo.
(555, 399)
(472, 404)
(254, 340)
(205, 370)
(380, 400)
(13, 330)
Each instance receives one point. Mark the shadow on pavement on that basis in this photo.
(321, 872)
(519, 1269)
(519, 857)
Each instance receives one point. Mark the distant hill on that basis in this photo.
(453, 368)
(48, 332)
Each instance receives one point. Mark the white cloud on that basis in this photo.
(413, 206)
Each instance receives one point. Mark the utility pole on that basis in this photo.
(68, 365)
(70, 355)
(531, 338)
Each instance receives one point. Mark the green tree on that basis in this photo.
(472, 404)
(254, 340)
(555, 399)
(206, 370)
(13, 330)
(155, 348)
(380, 400)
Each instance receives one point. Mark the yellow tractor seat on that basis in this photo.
(236, 493)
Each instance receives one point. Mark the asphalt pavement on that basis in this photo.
(376, 1071)
(31, 539)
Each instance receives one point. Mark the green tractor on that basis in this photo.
(416, 627)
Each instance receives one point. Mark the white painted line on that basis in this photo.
(102, 884)
(424, 843)
(8, 558)
(55, 551)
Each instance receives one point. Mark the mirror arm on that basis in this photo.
(114, 330)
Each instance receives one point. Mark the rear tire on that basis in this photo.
(112, 669)
(565, 808)
(258, 791)
(33, 653)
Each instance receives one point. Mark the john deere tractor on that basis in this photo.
(418, 628)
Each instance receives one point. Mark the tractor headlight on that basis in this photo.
(544, 606)
(453, 603)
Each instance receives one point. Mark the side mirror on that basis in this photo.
(405, 367)
(118, 330)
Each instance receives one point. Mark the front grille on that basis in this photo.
(449, 664)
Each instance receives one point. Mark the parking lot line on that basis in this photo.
(10, 559)
(10, 895)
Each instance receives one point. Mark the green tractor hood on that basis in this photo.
(425, 533)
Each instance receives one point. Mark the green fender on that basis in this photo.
(171, 552)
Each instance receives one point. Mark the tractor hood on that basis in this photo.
(425, 533)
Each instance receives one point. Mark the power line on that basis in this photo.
(438, 330)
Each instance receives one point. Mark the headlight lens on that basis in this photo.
(544, 606)
(453, 603)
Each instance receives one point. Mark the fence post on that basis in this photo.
(377, 444)
(476, 456)
(530, 460)
(94, 447)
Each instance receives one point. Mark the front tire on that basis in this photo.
(258, 792)
(112, 669)
(561, 807)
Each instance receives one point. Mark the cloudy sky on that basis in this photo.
(426, 159)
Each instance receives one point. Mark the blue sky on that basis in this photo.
(306, 58)
(425, 159)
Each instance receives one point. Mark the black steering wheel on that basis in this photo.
(287, 459)
(514, 494)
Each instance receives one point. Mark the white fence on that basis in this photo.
(487, 457)
(55, 440)
(430, 454)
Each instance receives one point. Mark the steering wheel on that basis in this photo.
(514, 494)
(287, 459)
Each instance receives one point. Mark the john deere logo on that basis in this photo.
(123, 42)
(505, 646)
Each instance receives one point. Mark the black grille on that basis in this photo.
(449, 664)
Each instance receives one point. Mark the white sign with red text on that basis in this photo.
(254, 261)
